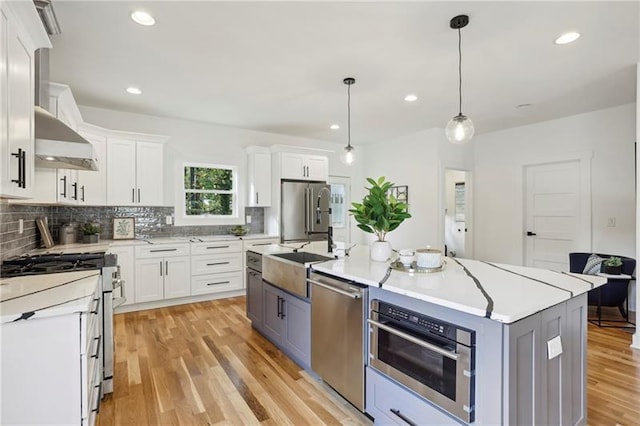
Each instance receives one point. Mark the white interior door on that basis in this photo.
(340, 205)
(556, 214)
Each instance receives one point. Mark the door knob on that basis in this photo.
(529, 233)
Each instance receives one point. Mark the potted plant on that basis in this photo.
(612, 266)
(91, 232)
(379, 213)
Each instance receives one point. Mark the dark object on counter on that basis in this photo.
(614, 293)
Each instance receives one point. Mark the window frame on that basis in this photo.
(210, 219)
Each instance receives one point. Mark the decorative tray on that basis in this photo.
(398, 266)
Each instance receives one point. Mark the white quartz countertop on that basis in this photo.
(104, 245)
(38, 296)
(504, 293)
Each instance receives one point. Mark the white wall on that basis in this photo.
(609, 134)
(199, 142)
(417, 160)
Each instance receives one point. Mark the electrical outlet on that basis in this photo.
(554, 347)
(248, 219)
(168, 220)
(20, 226)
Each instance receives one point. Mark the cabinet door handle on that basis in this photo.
(217, 263)
(219, 282)
(403, 417)
(64, 186)
(166, 267)
(216, 247)
(257, 199)
(282, 308)
(97, 352)
(75, 190)
(138, 195)
(133, 195)
(19, 155)
(82, 188)
(279, 308)
(161, 268)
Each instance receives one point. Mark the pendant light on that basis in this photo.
(459, 129)
(347, 156)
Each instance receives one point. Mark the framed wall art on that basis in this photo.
(124, 228)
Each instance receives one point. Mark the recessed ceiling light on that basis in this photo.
(143, 18)
(334, 127)
(568, 37)
(523, 106)
(49, 158)
(411, 98)
(134, 90)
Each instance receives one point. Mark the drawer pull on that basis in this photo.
(216, 247)
(96, 406)
(96, 306)
(261, 244)
(217, 263)
(403, 417)
(97, 352)
(219, 282)
(159, 250)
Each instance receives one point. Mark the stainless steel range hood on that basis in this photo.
(58, 146)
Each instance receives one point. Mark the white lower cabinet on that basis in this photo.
(52, 368)
(162, 272)
(216, 267)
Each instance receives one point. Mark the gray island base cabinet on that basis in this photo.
(287, 323)
(516, 382)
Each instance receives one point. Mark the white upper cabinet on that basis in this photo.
(20, 34)
(259, 177)
(134, 172)
(304, 167)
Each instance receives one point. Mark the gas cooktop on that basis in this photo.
(51, 263)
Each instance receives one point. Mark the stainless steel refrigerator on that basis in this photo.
(305, 211)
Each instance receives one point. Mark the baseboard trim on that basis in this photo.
(178, 301)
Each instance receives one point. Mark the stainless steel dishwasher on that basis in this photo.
(337, 335)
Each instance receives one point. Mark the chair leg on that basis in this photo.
(623, 312)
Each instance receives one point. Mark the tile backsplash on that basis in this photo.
(149, 223)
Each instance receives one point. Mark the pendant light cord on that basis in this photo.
(460, 69)
(349, 115)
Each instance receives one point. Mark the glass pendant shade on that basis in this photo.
(347, 157)
(459, 129)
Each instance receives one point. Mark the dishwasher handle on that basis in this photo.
(353, 295)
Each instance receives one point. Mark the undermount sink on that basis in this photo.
(302, 257)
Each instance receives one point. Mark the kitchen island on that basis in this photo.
(529, 339)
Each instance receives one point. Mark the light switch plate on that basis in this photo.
(20, 226)
(248, 219)
(554, 347)
(168, 220)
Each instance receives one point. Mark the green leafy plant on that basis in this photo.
(380, 212)
(90, 228)
(239, 230)
(613, 261)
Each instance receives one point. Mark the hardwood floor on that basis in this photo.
(203, 364)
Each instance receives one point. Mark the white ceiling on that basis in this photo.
(278, 67)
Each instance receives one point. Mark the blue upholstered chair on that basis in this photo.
(615, 292)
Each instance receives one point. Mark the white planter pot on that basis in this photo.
(380, 251)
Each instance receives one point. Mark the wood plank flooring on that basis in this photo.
(203, 364)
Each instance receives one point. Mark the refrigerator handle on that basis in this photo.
(306, 210)
(311, 211)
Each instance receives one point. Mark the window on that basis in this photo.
(210, 191)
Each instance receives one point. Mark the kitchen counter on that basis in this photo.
(46, 295)
(504, 293)
(104, 245)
